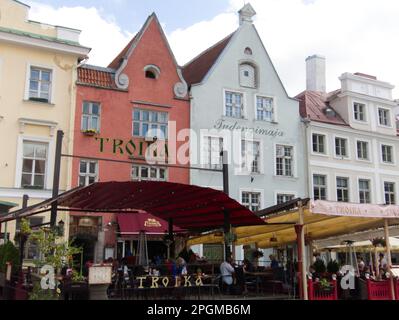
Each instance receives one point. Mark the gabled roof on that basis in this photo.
(313, 105)
(96, 77)
(127, 51)
(196, 70)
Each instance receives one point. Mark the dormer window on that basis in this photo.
(150, 75)
(248, 51)
(247, 75)
(359, 111)
(152, 72)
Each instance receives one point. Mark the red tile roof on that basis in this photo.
(96, 77)
(195, 71)
(313, 105)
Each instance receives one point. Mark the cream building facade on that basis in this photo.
(38, 70)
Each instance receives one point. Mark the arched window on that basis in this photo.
(247, 75)
(152, 72)
(248, 51)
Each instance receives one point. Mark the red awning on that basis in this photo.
(134, 223)
(190, 207)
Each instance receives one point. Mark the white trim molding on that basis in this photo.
(24, 121)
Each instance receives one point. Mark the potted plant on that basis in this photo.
(333, 267)
(325, 285)
(8, 254)
(55, 253)
(90, 132)
(257, 254)
(320, 268)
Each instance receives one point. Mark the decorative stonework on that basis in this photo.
(121, 79)
(246, 14)
(181, 88)
(51, 125)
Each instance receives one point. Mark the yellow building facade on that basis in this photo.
(38, 70)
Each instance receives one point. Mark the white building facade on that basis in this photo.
(352, 139)
(238, 103)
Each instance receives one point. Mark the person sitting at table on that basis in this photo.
(227, 272)
(248, 266)
(361, 264)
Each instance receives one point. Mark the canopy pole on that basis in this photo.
(56, 178)
(171, 249)
(22, 237)
(389, 257)
(299, 228)
(226, 190)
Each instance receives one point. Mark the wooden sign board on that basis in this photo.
(100, 274)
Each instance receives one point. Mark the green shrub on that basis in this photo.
(8, 253)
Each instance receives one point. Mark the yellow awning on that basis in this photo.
(281, 230)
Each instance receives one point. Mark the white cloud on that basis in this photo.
(101, 34)
(354, 35)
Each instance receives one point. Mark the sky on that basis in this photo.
(353, 35)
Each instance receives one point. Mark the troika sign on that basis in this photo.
(354, 210)
(223, 124)
(132, 147)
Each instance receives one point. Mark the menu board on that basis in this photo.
(100, 274)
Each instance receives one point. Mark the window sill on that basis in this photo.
(39, 102)
(391, 164)
(265, 122)
(292, 178)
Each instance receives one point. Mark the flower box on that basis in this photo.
(90, 132)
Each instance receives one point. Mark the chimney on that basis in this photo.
(246, 14)
(316, 73)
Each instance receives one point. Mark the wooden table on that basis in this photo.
(259, 276)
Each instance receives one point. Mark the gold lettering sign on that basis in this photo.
(152, 223)
(186, 281)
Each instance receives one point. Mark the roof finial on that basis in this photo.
(246, 13)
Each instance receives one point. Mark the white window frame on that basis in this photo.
(390, 125)
(348, 148)
(158, 168)
(340, 176)
(294, 161)
(326, 147)
(285, 193)
(250, 190)
(393, 163)
(370, 179)
(90, 115)
(365, 112)
(88, 175)
(19, 161)
(52, 88)
(135, 108)
(395, 193)
(244, 171)
(204, 139)
(275, 117)
(325, 174)
(244, 107)
(370, 159)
